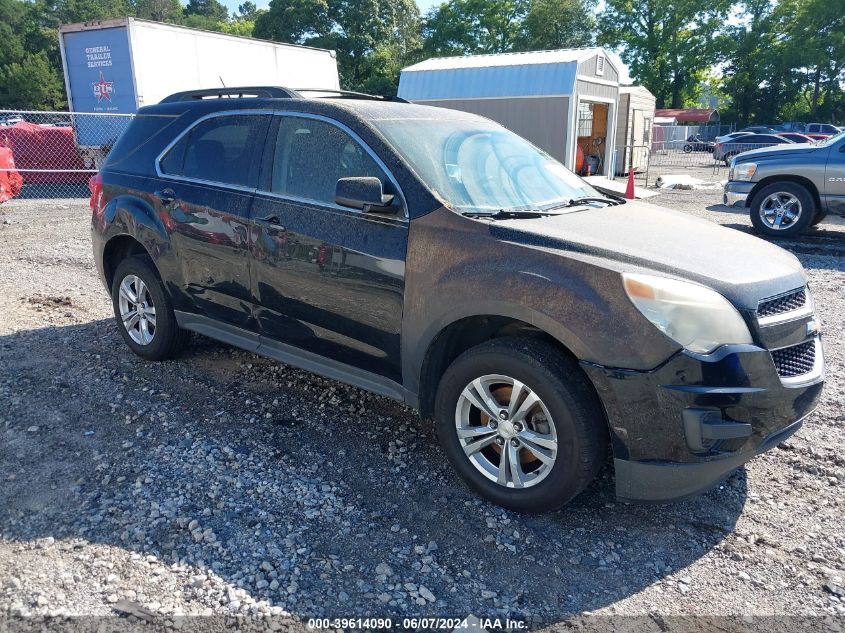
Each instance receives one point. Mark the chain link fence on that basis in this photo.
(700, 160)
(53, 154)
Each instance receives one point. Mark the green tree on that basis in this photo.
(814, 40)
(468, 27)
(211, 9)
(373, 38)
(159, 10)
(554, 24)
(31, 83)
(667, 44)
(758, 76)
(294, 20)
(247, 11)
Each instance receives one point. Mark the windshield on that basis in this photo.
(830, 140)
(477, 166)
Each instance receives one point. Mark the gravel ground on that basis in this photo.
(224, 483)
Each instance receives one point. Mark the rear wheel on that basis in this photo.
(520, 424)
(143, 311)
(782, 209)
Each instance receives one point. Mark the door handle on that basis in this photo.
(166, 196)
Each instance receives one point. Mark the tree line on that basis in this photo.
(766, 60)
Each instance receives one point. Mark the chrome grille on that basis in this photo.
(796, 360)
(785, 303)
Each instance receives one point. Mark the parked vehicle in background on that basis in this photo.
(726, 151)
(821, 128)
(116, 66)
(789, 188)
(821, 131)
(11, 120)
(796, 137)
(624, 328)
(10, 179)
(45, 154)
(731, 136)
(697, 144)
(759, 129)
(792, 126)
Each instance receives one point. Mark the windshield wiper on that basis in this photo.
(511, 213)
(577, 201)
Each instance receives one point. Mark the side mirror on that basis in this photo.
(365, 193)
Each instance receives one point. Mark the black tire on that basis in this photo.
(572, 404)
(168, 339)
(687, 149)
(728, 157)
(804, 220)
(820, 216)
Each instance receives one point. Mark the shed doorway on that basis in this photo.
(592, 138)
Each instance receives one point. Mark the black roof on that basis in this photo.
(333, 103)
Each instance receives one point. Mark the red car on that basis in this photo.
(797, 137)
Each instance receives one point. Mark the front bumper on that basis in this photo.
(680, 429)
(736, 193)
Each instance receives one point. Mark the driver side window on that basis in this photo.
(312, 155)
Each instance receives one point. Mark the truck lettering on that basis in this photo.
(98, 56)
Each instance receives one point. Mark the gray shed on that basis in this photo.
(634, 128)
(564, 101)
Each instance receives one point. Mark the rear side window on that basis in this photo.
(312, 155)
(220, 149)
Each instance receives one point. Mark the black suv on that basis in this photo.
(434, 257)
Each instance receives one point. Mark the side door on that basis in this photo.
(834, 180)
(207, 181)
(326, 278)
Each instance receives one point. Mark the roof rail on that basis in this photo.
(267, 92)
(352, 94)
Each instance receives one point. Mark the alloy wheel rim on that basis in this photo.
(506, 431)
(137, 310)
(781, 210)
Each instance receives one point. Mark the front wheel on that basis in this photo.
(143, 312)
(520, 424)
(820, 216)
(687, 149)
(782, 209)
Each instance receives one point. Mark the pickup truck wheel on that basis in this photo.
(520, 424)
(143, 311)
(782, 209)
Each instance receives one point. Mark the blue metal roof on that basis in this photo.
(528, 74)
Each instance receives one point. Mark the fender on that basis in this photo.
(130, 215)
(450, 277)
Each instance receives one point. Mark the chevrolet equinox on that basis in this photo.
(434, 257)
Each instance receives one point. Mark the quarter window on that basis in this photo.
(312, 155)
(219, 149)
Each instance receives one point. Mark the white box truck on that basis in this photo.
(114, 67)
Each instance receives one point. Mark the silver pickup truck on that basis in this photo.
(789, 188)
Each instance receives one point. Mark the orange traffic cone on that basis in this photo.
(629, 190)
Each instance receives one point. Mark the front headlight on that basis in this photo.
(696, 317)
(743, 172)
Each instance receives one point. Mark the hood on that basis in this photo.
(777, 150)
(642, 237)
